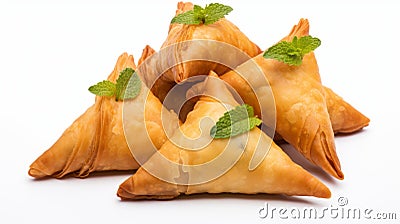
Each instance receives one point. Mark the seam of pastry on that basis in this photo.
(70, 160)
(333, 167)
(75, 148)
(332, 159)
(94, 150)
(304, 145)
(186, 34)
(96, 143)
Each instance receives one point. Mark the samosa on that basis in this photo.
(96, 141)
(344, 117)
(302, 117)
(197, 171)
(196, 49)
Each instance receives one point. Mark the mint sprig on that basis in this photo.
(199, 15)
(104, 88)
(292, 53)
(239, 120)
(127, 86)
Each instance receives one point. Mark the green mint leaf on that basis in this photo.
(104, 88)
(122, 82)
(186, 18)
(198, 14)
(128, 85)
(133, 88)
(307, 44)
(284, 52)
(292, 53)
(215, 11)
(208, 15)
(239, 120)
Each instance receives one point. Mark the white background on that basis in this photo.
(51, 53)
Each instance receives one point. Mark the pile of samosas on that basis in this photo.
(306, 115)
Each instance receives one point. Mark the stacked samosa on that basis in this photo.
(183, 52)
(302, 111)
(307, 116)
(96, 140)
(315, 139)
(276, 174)
(344, 117)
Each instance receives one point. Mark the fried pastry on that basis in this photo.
(147, 52)
(221, 31)
(96, 141)
(276, 174)
(344, 117)
(302, 117)
(191, 50)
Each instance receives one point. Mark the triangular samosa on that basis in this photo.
(344, 117)
(96, 140)
(275, 174)
(191, 50)
(302, 117)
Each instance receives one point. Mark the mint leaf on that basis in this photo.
(122, 82)
(292, 53)
(208, 15)
(239, 120)
(198, 14)
(188, 17)
(104, 88)
(284, 52)
(306, 43)
(127, 87)
(133, 88)
(214, 12)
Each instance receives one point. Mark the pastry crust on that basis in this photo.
(222, 30)
(191, 50)
(276, 174)
(301, 109)
(96, 140)
(344, 117)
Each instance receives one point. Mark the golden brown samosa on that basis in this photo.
(191, 50)
(275, 174)
(302, 117)
(96, 140)
(222, 30)
(344, 117)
